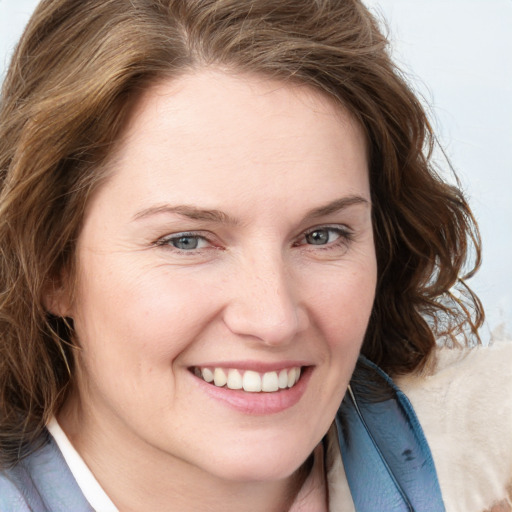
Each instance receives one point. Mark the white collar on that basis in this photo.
(89, 486)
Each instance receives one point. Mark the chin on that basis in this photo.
(259, 465)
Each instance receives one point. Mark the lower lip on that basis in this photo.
(258, 403)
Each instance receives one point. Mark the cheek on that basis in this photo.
(343, 304)
(144, 314)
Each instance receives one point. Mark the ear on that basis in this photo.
(57, 296)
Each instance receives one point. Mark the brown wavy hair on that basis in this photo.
(67, 93)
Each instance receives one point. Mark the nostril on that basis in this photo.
(271, 324)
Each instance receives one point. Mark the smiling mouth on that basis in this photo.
(248, 380)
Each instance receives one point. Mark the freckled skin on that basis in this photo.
(264, 280)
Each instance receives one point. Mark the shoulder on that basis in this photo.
(465, 408)
(41, 482)
(10, 496)
(16, 491)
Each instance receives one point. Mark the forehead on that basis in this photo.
(212, 133)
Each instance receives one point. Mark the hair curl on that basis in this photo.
(66, 95)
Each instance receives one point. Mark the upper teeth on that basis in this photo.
(249, 380)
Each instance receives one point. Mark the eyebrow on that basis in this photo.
(335, 206)
(192, 212)
(218, 216)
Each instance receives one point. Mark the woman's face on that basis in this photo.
(232, 241)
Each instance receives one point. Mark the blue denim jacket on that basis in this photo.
(386, 457)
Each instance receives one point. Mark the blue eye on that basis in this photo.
(185, 241)
(323, 236)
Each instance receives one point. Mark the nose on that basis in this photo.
(264, 304)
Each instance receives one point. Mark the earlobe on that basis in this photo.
(57, 298)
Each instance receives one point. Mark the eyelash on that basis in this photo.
(345, 236)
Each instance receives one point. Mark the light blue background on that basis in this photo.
(458, 55)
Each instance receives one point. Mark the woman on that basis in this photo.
(209, 210)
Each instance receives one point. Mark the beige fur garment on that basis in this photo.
(465, 409)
